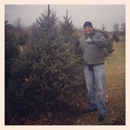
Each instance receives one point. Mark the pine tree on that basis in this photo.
(47, 23)
(115, 38)
(11, 54)
(11, 50)
(68, 31)
(46, 76)
(107, 51)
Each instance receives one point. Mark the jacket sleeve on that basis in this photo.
(77, 48)
(100, 41)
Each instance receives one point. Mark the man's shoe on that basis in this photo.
(88, 110)
(101, 117)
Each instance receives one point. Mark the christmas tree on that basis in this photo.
(46, 75)
(68, 30)
(107, 51)
(11, 50)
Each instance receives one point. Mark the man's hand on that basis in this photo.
(89, 40)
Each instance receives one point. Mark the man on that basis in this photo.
(91, 45)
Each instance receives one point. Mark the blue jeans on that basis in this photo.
(95, 83)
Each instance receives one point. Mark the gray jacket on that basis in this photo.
(92, 53)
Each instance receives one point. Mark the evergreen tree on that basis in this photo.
(115, 38)
(11, 54)
(46, 76)
(47, 26)
(11, 50)
(109, 49)
(68, 31)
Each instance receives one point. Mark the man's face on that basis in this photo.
(88, 30)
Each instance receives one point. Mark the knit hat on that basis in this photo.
(87, 24)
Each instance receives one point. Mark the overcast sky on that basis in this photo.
(97, 14)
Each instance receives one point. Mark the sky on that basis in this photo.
(98, 14)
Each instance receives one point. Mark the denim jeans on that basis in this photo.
(95, 83)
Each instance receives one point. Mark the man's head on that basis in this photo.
(88, 28)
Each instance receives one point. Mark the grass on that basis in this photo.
(115, 84)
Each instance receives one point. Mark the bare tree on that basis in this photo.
(116, 28)
(18, 23)
(123, 28)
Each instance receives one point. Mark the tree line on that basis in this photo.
(118, 30)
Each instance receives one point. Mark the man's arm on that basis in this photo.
(100, 41)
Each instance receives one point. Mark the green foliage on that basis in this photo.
(68, 30)
(51, 74)
(46, 75)
(109, 49)
(11, 50)
(23, 38)
(47, 26)
(115, 38)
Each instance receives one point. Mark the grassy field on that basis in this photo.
(115, 85)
